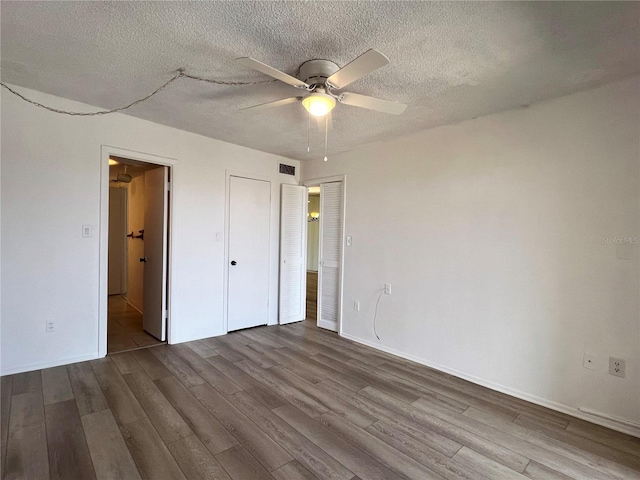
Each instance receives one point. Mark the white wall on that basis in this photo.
(51, 179)
(491, 234)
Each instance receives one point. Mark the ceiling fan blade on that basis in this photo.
(272, 72)
(320, 121)
(366, 63)
(277, 103)
(372, 103)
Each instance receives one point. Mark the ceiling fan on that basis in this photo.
(322, 77)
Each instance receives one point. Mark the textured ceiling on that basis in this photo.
(449, 61)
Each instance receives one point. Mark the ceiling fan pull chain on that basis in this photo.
(308, 132)
(326, 136)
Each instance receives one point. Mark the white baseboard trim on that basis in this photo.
(133, 306)
(55, 363)
(605, 420)
(327, 325)
(197, 337)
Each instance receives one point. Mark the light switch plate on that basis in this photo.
(86, 231)
(349, 241)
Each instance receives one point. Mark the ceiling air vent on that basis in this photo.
(287, 169)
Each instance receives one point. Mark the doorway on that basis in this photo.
(313, 251)
(137, 254)
(313, 292)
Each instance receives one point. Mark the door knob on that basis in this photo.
(143, 259)
(233, 262)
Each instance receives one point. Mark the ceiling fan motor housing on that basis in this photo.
(316, 72)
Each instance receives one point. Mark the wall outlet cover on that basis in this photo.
(617, 367)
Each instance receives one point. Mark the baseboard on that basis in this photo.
(139, 310)
(55, 363)
(605, 420)
(327, 325)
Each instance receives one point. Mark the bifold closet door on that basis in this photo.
(293, 254)
(329, 269)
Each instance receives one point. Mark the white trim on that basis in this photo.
(132, 305)
(105, 152)
(225, 291)
(55, 363)
(328, 325)
(620, 425)
(336, 178)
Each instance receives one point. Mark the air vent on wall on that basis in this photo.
(287, 169)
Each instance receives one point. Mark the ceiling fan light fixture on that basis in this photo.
(319, 104)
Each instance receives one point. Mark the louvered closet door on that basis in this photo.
(293, 254)
(329, 274)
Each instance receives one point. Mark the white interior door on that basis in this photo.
(293, 254)
(155, 252)
(330, 263)
(249, 225)
(117, 241)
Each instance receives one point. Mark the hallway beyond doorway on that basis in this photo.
(124, 330)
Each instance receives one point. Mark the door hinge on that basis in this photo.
(168, 186)
(166, 314)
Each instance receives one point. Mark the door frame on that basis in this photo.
(103, 281)
(227, 201)
(335, 178)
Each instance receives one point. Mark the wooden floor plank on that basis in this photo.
(537, 471)
(293, 471)
(151, 456)
(240, 465)
(351, 457)
(207, 372)
(337, 405)
(209, 430)
(383, 452)
(183, 372)
(580, 442)
(68, 451)
(166, 420)
(422, 453)
(300, 447)
(540, 439)
(248, 384)
(27, 455)
(86, 389)
(150, 364)
(6, 384)
(200, 349)
(28, 382)
(547, 456)
(121, 400)
(258, 443)
(485, 466)
(196, 461)
(126, 362)
(293, 395)
(55, 385)
(621, 441)
(440, 438)
(109, 453)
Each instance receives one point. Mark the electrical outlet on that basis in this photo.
(617, 367)
(356, 305)
(50, 326)
(589, 361)
(387, 289)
